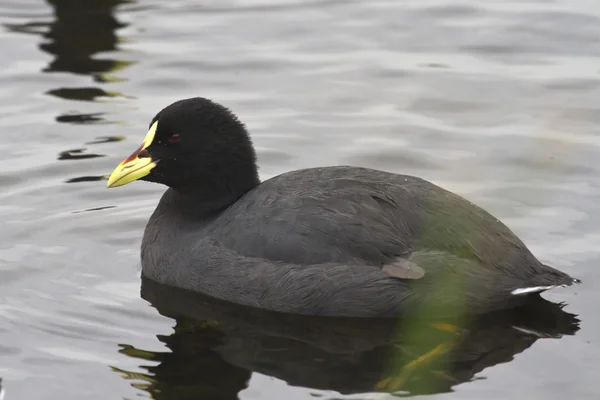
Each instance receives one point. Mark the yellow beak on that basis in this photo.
(134, 167)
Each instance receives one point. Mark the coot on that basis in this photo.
(331, 241)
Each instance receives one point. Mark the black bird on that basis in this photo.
(333, 241)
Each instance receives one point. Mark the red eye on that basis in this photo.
(174, 138)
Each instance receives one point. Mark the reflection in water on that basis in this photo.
(216, 346)
(82, 94)
(106, 139)
(80, 30)
(77, 154)
(87, 179)
(77, 118)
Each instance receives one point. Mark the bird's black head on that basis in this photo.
(193, 145)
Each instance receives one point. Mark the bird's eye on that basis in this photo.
(174, 138)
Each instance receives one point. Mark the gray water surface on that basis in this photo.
(498, 101)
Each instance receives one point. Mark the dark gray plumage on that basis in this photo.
(323, 241)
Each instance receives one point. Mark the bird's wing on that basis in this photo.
(360, 216)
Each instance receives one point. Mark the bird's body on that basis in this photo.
(315, 241)
(336, 241)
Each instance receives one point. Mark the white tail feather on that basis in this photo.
(537, 289)
(534, 289)
(535, 333)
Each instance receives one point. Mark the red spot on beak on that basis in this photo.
(134, 155)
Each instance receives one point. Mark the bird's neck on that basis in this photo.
(206, 198)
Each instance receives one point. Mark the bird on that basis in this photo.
(333, 241)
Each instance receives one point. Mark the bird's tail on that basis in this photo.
(550, 278)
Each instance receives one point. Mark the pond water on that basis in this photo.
(498, 101)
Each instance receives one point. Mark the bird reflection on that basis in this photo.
(216, 346)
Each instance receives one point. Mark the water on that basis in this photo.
(495, 101)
